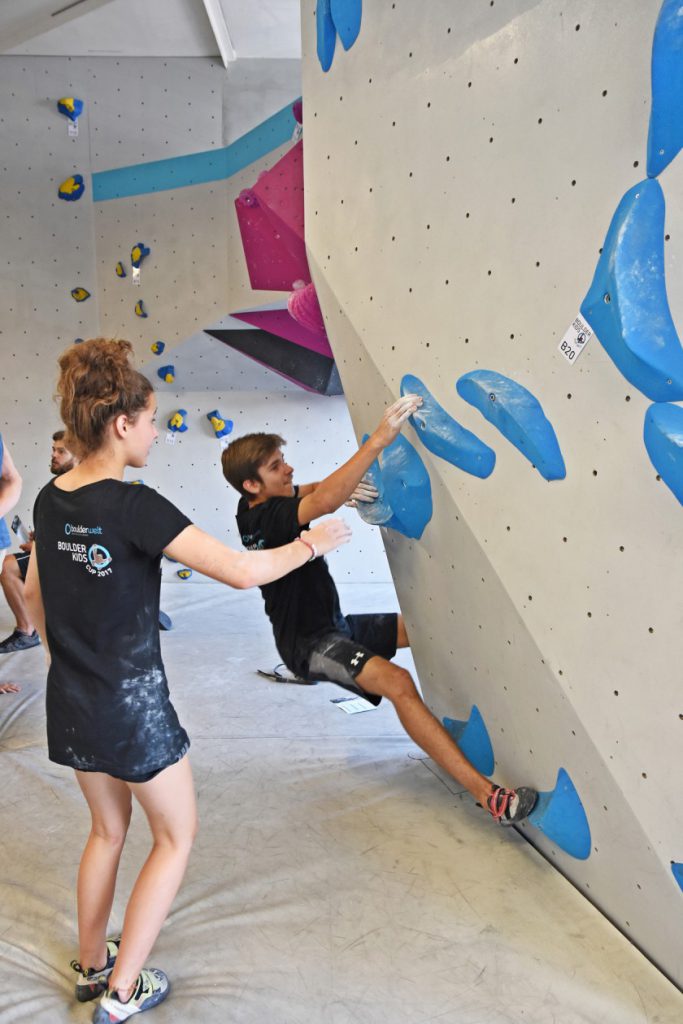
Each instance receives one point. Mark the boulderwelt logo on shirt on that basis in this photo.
(95, 558)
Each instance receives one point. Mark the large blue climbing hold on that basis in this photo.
(405, 493)
(346, 16)
(407, 488)
(559, 814)
(627, 305)
(663, 436)
(473, 740)
(677, 870)
(327, 35)
(665, 136)
(519, 417)
(377, 512)
(444, 436)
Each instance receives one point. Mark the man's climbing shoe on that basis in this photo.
(92, 982)
(150, 989)
(510, 806)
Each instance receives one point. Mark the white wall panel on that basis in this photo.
(462, 169)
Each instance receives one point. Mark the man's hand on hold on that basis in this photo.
(365, 492)
(394, 418)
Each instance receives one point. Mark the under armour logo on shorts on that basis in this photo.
(356, 658)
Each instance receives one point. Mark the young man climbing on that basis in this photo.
(314, 639)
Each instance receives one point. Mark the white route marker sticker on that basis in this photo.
(575, 339)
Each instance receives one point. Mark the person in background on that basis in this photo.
(10, 492)
(15, 566)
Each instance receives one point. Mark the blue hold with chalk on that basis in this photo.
(665, 135)
(473, 740)
(663, 436)
(627, 304)
(519, 417)
(405, 492)
(444, 436)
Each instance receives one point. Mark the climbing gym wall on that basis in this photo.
(211, 133)
(462, 171)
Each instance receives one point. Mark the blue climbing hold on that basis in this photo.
(167, 373)
(627, 304)
(407, 487)
(184, 574)
(72, 189)
(377, 512)
(221, 427)
(665, 135)
(518, 415)
(559, 814)
(444, 436)
(177, 422)
(140, 309)
(663, 436)
(138, 253)
(346, 16)
(473, 740)
(158, 347)
(120, 269)
(80, 294)
(677, 870)
(326, 32)
(405, 493)
(71, 107)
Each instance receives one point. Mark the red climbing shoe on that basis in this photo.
(510, 806)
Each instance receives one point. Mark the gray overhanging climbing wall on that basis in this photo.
(138, 111)
(462, 170)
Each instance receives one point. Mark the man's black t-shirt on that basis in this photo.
(302, 605)
(99, 551)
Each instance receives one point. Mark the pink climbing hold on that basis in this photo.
(304, 307)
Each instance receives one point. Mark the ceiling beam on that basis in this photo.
(53, 13)
(216, 15)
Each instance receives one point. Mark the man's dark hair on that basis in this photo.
(244, 456)
(58, 435)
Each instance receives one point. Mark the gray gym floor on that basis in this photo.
(336, 879)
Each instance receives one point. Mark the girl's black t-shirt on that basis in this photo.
(99, 556)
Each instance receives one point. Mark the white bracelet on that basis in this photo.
(311, 548)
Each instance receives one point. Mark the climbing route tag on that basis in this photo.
(575, 340)
(136, 276)
(72, 129)
(170, 437)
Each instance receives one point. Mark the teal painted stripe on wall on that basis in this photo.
(196, 168)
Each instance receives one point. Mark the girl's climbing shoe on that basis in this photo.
(92, 982)
(510, 806)
(150, 989)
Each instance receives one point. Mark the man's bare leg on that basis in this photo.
(388, 680)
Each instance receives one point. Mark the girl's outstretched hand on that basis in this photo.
(328, 535)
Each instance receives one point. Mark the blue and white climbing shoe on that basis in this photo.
(510, 806)
(93, 982)
(150, 989)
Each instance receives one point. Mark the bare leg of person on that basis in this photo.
(169, 803)
(402, 636)
(109, 801)
(383, 677)
(13, 589)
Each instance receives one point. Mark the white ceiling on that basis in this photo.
(151, 28)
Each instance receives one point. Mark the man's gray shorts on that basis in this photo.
(339, 658)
